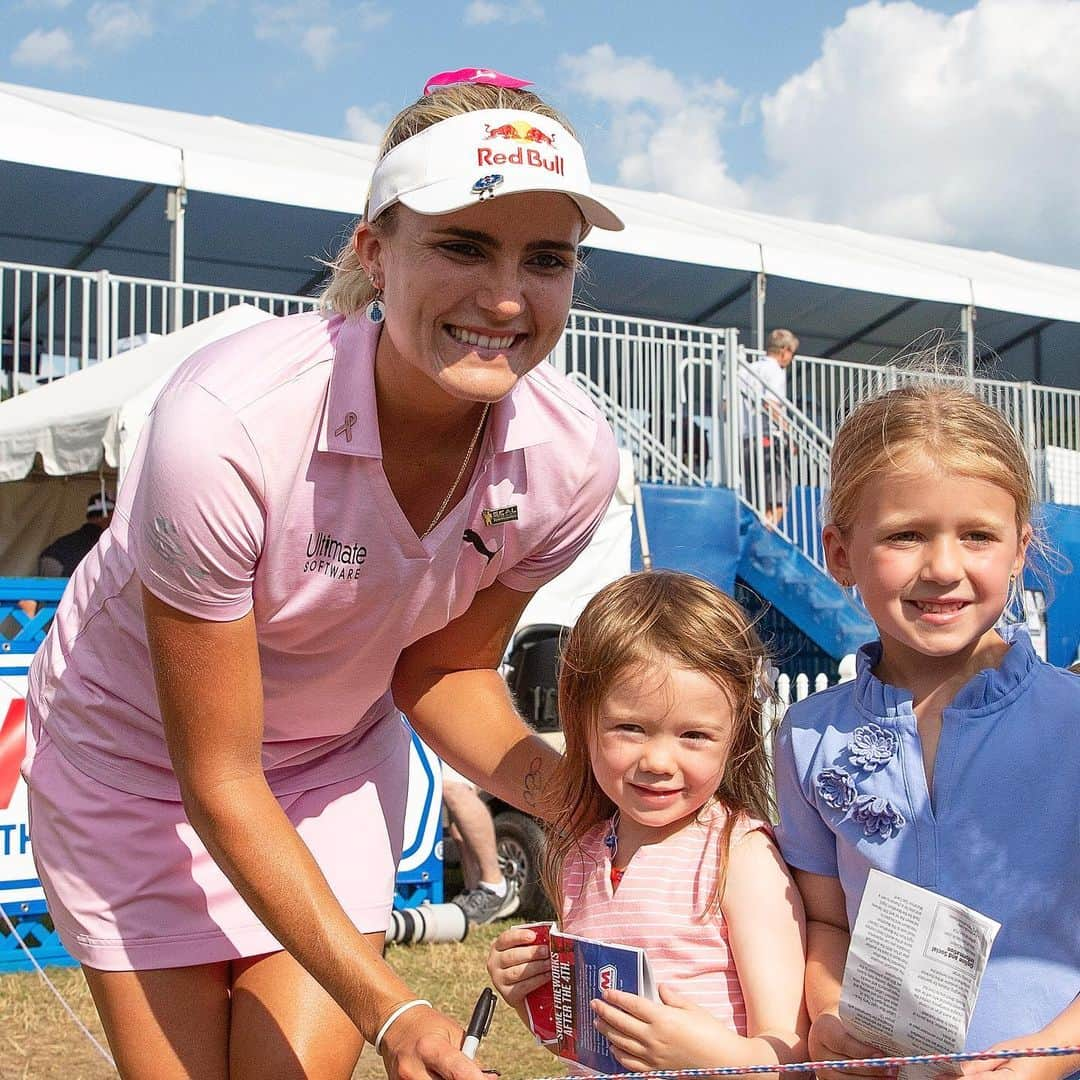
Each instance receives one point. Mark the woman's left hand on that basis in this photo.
(424, 1044)
(672, 1033)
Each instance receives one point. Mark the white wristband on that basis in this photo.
(393, 1016)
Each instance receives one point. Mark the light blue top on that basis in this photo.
(1000, 832)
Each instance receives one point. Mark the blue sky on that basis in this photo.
(946, 121)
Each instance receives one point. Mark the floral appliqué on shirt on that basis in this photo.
(870, 748)
(877, 816)
(837, 788)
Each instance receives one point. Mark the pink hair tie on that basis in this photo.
(483, 76)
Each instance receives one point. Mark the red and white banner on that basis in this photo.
(18, 878)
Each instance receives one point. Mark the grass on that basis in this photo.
(38, 1038)
(39, 1041)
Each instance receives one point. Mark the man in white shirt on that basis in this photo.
(764, 426)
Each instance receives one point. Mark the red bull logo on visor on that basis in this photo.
(521, 131)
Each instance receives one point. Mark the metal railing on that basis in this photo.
(650, 456)
(685, 403)
(1046, 418)
(54, 322)
(785, 464)
(680, 395)
(49, 322)
(664, 378)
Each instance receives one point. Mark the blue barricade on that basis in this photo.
(420, 873)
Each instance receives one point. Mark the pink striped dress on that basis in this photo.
(658, 906)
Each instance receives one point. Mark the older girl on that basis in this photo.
(953, 759)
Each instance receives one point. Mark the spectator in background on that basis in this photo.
(764, 426)
(61, 557)
(488, 894)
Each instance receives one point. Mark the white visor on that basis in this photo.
(481, 155)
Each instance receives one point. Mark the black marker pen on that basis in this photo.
(479, 1022)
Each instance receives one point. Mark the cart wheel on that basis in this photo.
(519, 840)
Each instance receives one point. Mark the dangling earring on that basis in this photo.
(1014, 605)
(375, 311)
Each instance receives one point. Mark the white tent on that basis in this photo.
(83, 428)
(263, 202)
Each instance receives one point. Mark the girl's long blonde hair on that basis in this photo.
(349, 289)
(692, 624)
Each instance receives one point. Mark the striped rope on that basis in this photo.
(856, 1063)
(56, 993)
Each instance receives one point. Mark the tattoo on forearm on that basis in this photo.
(534, 783)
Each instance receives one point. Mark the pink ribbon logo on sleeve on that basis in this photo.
(346, 428)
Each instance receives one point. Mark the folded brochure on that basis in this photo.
(581, 970)
(913, 971)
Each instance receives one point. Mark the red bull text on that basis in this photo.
(521, 155)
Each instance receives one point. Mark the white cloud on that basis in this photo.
(962, 129)
(319, 43)
(363, 125)
(46, 48)
(116, 25)
(321, 29)
(483, 12)
(666, 132)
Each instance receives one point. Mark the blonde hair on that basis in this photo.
(349, 289)
(948, 425)
(692, 624)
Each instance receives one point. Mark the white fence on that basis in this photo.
(1047, 418)
(54, 322)
(790, 690)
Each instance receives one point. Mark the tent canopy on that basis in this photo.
(85, 184)
(64, 441)
(86, 420)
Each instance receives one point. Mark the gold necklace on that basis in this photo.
(461, 472)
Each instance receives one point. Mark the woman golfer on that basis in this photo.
(218, 765)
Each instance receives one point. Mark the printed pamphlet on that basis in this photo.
(581, 969)
(913, 971)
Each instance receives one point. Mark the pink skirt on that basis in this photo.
(130, 885)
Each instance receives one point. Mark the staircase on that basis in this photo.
(717, 530)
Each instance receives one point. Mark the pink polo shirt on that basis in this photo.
(659, 907)
(258, 484)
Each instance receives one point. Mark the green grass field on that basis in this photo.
(39, 1041)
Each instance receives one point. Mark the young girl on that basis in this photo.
(659, 837)
(953, 759)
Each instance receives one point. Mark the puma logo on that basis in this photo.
(477, 541)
